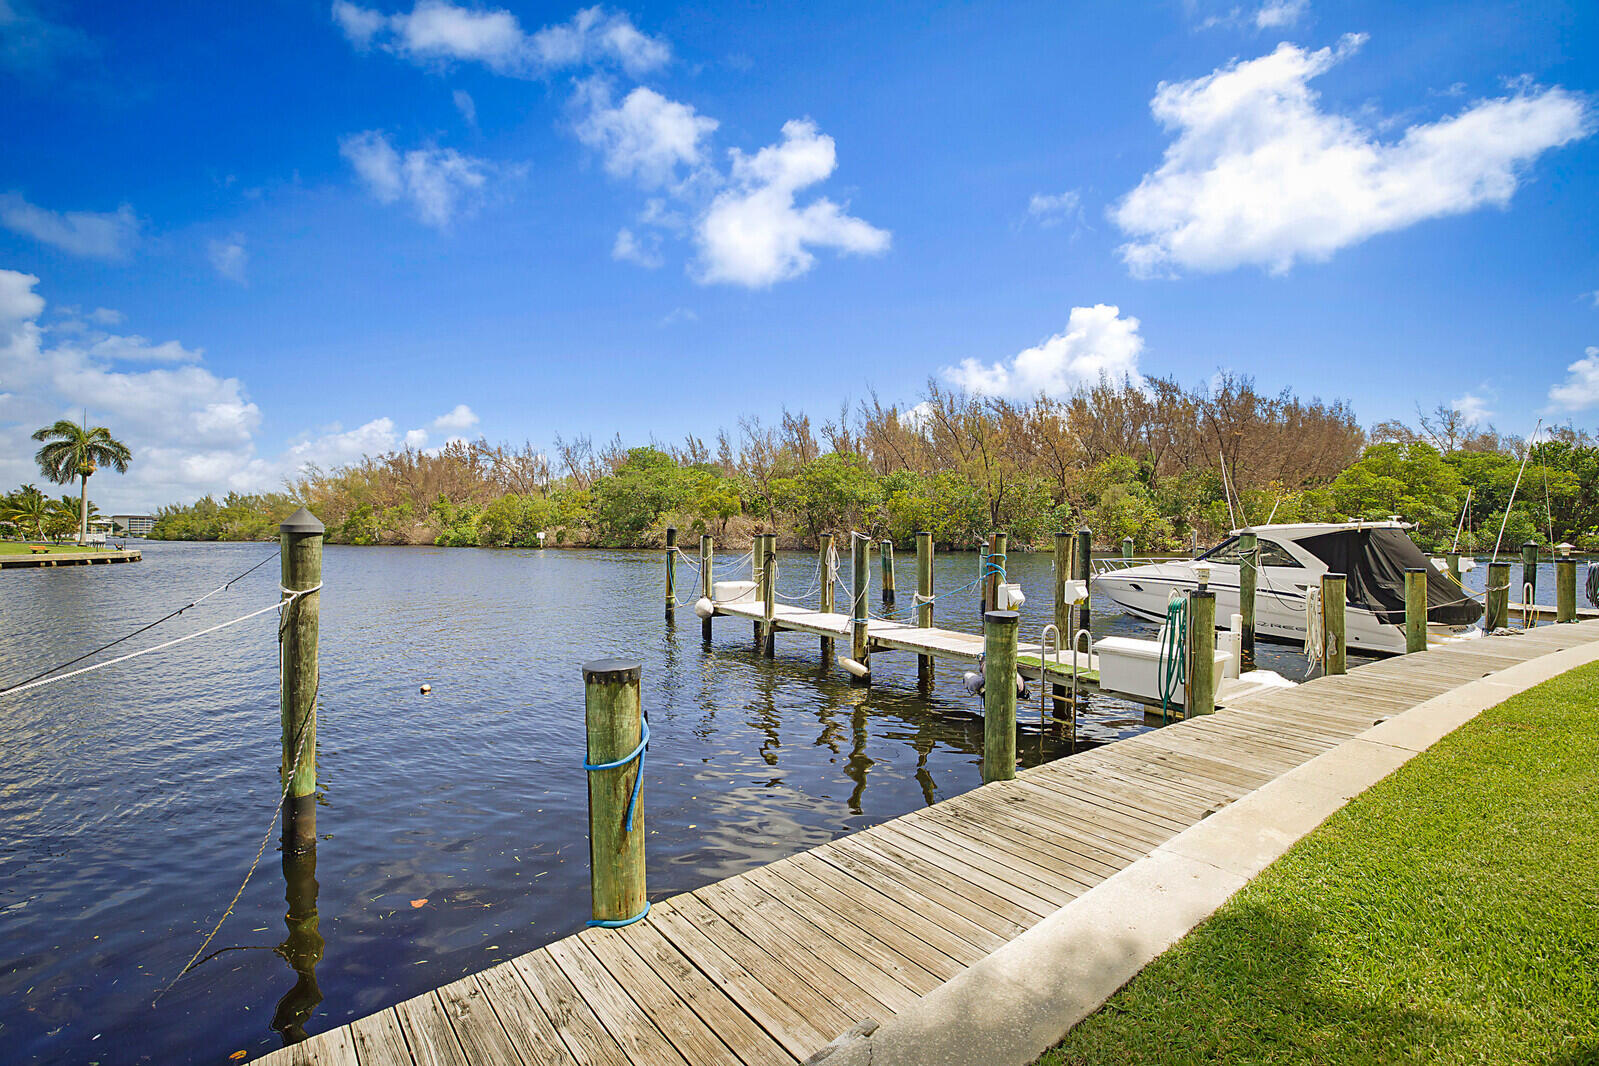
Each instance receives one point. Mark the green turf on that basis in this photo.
(16, 548)
(1448, 915)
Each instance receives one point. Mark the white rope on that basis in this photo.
(291, 595)
(1315, 630)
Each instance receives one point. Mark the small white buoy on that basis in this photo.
(426, 689)
(853, 667)
(704, 607)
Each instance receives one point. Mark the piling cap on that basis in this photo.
(600, 671)
(302, 521)
(1003, 618)
(1415, 569)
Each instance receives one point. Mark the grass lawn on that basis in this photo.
(1449, 914)
(8, 547)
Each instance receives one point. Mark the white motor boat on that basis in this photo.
(1373, 557)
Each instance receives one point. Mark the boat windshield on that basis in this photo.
(1271, 554)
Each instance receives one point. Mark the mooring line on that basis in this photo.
(41, 682)
(141, 629)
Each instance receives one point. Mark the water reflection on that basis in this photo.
(302, 948)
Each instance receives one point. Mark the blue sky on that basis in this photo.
(255, 236)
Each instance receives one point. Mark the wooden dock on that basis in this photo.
(18, 562)
(772, 965)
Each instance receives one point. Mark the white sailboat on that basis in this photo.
(1373, 556)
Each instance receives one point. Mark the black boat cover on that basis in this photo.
(1374, 563)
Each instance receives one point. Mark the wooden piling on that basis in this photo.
(1085, 558)
(671, 571)
(1248, 574)
(707, 557)
(769, 596)
(1127, 549)
(299, 629)
(1529, 574)
(993, 572)
(1497, 599)
(1565, 588)
(1334, 597)
(1200, 697)
(860, 567)
(613, 715)
(1063, 626)
(924, 601)
(999, 695)
(826, 579)
(886, 549)
(1415, 609)
(1452, 561)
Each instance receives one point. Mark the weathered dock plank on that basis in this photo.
(88, 558)
(770, 966)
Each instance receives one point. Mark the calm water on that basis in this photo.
(133, 799)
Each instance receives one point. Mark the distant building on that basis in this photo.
(134, 525)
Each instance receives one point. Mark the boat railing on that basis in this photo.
(1107, 564)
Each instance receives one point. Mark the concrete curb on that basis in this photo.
(1019, 1001)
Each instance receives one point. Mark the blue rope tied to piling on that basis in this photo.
(638, 782)
(632, 805)
(618, 923)
(991, 567)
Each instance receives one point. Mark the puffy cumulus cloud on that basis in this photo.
(1473, 406)
(229, 258)
(458, 419)
(1580, 390)
(646, 137)
(1098, 342)
(192, 431)
(438, 32)
(755, 234)
(93, 235)
(1259, 174)
(437, 183)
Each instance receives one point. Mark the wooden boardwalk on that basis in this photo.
(771, 965)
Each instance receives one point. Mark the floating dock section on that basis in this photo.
(18, 562)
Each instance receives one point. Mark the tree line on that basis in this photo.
(1151, 460)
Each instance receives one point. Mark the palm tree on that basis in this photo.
(75, 451)
(28, 508)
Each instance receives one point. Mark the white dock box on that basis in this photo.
(1132, 667)
(733, 591)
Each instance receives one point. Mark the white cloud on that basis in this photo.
(753, 234)
(1097, 342)
(1594, 296)
(1473, 407)
(1259, 174)
(1580, 390)
(229, 258)
(416, 439)
(438, 32)
(642, 250)
(646, 137)
(679, 315)
(134, 348)
(459, 418)
(1275, 14)
(91, 234)
(465, 105)
(105, 316)
(191, 431)
(1052, 210)
(438, 183)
